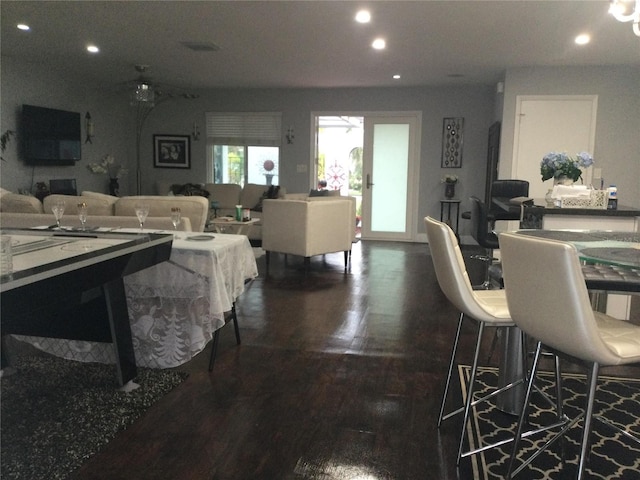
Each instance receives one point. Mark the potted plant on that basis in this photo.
(563, 168)
(4, 140)
(114, 170)
(449, 185)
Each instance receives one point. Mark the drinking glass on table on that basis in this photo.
(83, 210)
(58, 210)
(176, 218)
(142, 211)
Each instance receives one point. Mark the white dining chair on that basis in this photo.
(487, 307)
(548, 300)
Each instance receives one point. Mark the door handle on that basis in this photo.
(369, 184)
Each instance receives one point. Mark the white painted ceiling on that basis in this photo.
(295, 44)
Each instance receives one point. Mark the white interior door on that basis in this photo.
(390, 175)
(551, 123)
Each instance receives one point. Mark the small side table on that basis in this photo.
(225, 225)
(450, 202)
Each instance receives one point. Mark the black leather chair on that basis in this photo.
(485, 237)
(509, 188)
(504, 189)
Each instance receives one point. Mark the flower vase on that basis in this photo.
(563, 180)
(548, 198)
(114, 187)
(449, 190)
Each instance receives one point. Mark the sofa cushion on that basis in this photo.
(163, 187)
(226, 194)
(195, 207)
(14, 202)
(251, 194)
(96, 205)
(103, 196)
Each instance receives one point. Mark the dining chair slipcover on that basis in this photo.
(548, 300)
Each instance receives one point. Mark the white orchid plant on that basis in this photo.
(108, 166)
(449, 179)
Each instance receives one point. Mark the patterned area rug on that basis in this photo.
(613, 456)
(57, 413)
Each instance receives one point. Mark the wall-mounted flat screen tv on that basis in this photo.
(49, 136)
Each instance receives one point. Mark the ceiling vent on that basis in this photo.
(201, 46)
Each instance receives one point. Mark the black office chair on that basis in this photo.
(509, 188)
(486, 238)
(505, 189)
(66, 186)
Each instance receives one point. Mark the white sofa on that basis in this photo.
(308, 226)
(23, 211)
(227, 196)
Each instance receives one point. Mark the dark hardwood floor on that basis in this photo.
(339, 376)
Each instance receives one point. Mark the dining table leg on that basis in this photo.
(511, 371)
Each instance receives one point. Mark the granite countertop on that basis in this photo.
(621, 211)
(540, 203)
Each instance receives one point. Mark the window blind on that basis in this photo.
(260, 129)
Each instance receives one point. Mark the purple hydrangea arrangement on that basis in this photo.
(555, 165)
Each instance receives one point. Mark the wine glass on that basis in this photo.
(175, 219)
(82, 214)
(142, 211)
(58, 210)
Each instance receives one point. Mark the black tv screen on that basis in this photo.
(49, 136)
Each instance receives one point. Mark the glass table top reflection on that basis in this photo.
(598, 246)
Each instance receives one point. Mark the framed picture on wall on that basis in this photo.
(452, 142)
(171, 151)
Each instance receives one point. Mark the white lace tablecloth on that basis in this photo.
(175, 306)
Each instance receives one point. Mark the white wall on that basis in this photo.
(617, 135)
(27, 83)
(474, 103)
(115, 132)
(617, 144)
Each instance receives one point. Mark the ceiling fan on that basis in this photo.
(143, 89)
(145, 93)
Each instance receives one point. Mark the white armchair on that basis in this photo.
(309, 227)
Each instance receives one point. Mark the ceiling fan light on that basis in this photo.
(627, 11)
(143, 93)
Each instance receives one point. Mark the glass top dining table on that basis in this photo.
(598, 246)
(620, 250)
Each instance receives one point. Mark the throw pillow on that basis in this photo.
(189, 189)
(271, 193)
(319, 193)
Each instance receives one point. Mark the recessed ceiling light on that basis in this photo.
(583, 39)
(379, 44)
(92, 49)
(363, 16)
(24, 27)
(396, 76)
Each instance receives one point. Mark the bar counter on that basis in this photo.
(539, 215)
